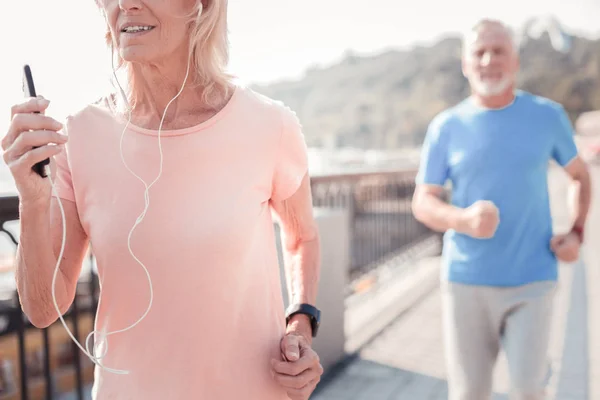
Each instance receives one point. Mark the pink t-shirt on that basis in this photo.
(207, 241)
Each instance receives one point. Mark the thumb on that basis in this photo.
(291, 347)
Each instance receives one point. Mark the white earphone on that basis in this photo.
(100, 337)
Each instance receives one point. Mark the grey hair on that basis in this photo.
(474, 29)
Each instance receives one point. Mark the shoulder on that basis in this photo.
(445, 118)
(266, 106)
(541, 104)
(97, 113)
(443, 122)
(272, 115)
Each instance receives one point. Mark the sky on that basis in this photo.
(63, 41)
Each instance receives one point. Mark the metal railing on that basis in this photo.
(381, 221)
(379, 205)
(35, 365)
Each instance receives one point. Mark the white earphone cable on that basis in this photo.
(100, 337)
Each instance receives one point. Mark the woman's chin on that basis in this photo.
(136, 54)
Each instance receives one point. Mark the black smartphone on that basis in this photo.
(29, 91)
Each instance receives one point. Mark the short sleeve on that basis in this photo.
(291, 163)
(433, 165)
(62, 175)
(564, 149)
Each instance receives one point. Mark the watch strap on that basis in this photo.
(311, 311)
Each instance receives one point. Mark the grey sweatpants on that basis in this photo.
(479, 320)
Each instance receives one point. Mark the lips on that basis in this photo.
(491, 76)
(135, 27)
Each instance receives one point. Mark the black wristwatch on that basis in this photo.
(313, 313)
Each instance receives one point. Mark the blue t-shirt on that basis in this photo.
(503, 156)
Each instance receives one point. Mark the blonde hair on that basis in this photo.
(208, 52)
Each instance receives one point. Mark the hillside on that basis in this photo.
(386, 101)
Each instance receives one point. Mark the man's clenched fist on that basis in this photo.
(481, 219)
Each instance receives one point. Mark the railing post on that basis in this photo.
(47, 367)
(76, 355)
(20, 325)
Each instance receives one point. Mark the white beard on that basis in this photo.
(488, 89)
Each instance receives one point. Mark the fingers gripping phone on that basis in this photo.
(29, 91)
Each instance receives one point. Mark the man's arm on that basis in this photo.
(565, 154)
(301, 249)
(479, 220)
(578, 170)
(435, 213)
(427, 205)
(566, 246)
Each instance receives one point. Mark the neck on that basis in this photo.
(154, 85)
(498, 101)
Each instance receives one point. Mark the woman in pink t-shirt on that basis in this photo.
(173, 181)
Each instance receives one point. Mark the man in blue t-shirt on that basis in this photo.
(500, 253)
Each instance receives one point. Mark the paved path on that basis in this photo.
(405, 361)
